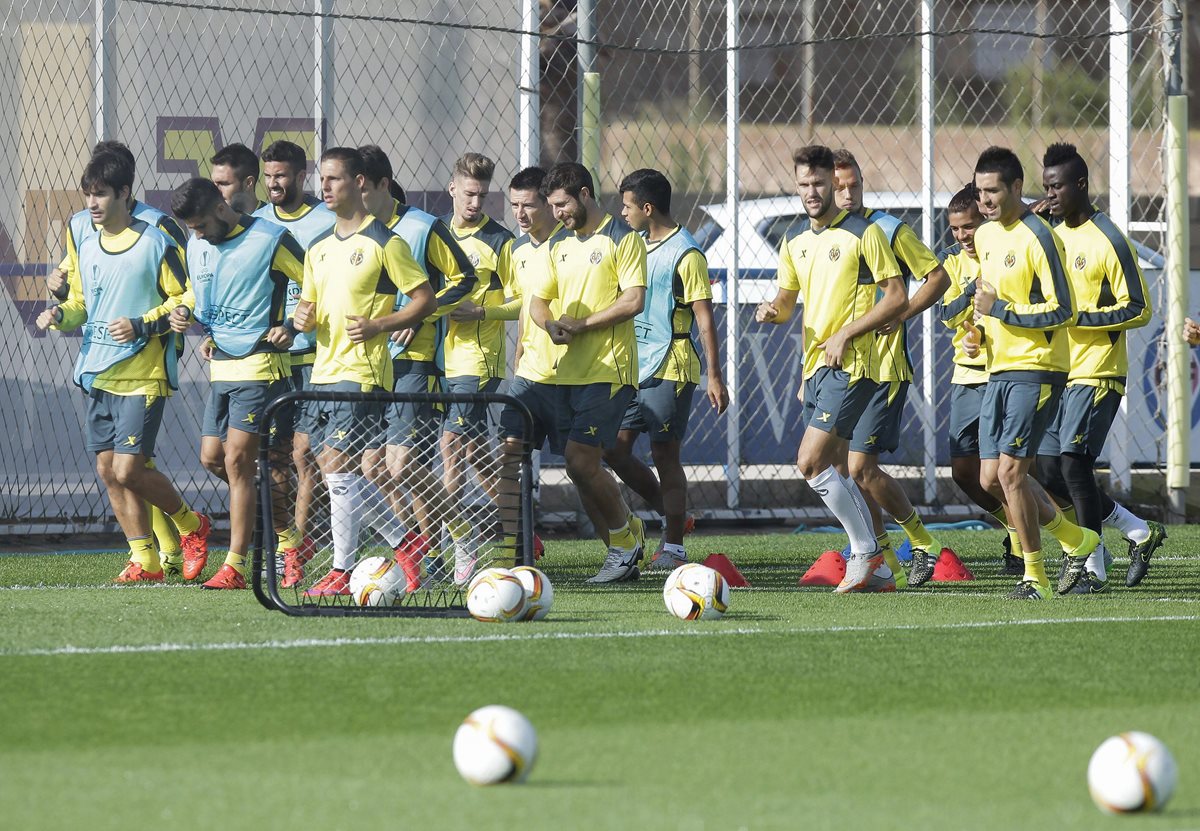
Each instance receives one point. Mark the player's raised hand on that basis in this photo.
(467, 310)
(280, 337)
(180, 319)
(304, 318)
(765, 313)
(56, 283)
(360, 329)
(718, 394)
(1191, 331)
(121, 330)
(835, 349)
(985, 297)
(205, 349)
(48, 318)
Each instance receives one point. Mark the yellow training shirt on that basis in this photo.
(587, 275)
(1024, 262)
(958, 309)
(476, 347)
(835, 270)
(1110, 296)
(357, 275)
(524, 265)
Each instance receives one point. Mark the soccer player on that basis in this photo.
(411, 439)
(597, 276)
(961, 263)
(678, 295)
(79, 227)
(351, 276)
(878, 429)
(838, 262)
(130, 277)
(1025, 301)
(1111, 298)
(240, 270)
(475, 359)
(523, 266)
(235, 171)
(306, 218)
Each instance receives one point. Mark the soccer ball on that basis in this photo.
(696, 592)
(1130, 773)
(495, 744)
(377, 581)
(496, 595)
(539, 594)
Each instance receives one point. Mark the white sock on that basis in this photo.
(674, 550)
(344, 517)
(829, 485)
(856, 493)
(1134, 528)
(1095, 563)
(378, 515)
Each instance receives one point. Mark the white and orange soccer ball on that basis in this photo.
(377, 581)
(539, 594)
(495, 745)
(496, 595)
(1131, 773)
(696, 592)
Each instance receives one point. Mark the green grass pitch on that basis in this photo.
(943, 708)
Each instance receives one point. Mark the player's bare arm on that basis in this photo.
(421, 303)
(778, 310)
(718, 394)
(628, 305)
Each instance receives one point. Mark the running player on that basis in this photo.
(1024, 298)
(305, 217)
(79, 228)
(970, 365)
(475, 359)
(597, 275)
(525, 264)
(838, 262)
(351, 276)
(878, 429)
(678, 295)
(235, 171)
(1111, 295)
(417, 361)
(241, 267)
(130, 277)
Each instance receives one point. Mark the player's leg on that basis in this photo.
(307, 474)
(668, 408)
(166, 536)
(833, 405)
(630, 470)
(479, 453)
(516, 435)
(134, 522)
(455, 434)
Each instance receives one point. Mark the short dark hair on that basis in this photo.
(376, 166)
(288, 152)
(348, 156)
(1003, 161)
(530, 178)
(239, 157)
(843, 159)
(107, 170)
(569, 176)
(813, 155)
(966, 199)
(1064, 154)
(648, 186)
(194, 198)
(117, 148)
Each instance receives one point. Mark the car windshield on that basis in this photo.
(707, 234)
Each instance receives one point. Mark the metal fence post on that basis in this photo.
(1119, 138)
(733, 417)
(528, 95)
(323, 80)
(928, 385)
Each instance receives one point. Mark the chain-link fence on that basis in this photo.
(915, 88)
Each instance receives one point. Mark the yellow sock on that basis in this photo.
(458, 528)
(237, 562)
(889, 554)
(143, 552)
(1001, 515)
(1068, 534)
(622, 537)
(1014, 540)
(289, 538)
(185, 519)
(918, 535)
(1069, 513)
(165, 533)
(1035, 569)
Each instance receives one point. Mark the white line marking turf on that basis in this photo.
(315, 643)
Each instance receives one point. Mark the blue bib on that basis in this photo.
(655, 326)
(414, 227)
(116, 286)
(305, 229)
(233, 286)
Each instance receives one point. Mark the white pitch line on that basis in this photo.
(407, 640)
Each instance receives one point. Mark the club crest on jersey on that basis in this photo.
(835, 253)
(1080, 263)
(596, 257)
(1010, 259)
(357, 257)
(473, 259)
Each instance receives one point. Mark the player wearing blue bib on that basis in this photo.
(678, 297)
(235, 172)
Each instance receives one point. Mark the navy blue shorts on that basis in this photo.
(469, 418)
(833, 403)
(1013, 417)
(965, 403)
(546, 403)
(878, 428)
(661, 409)
(123, 423)
(1085, 415)
(412, 424)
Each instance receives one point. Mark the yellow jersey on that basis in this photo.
(476, 347)
(524, 265)
(958, 310)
